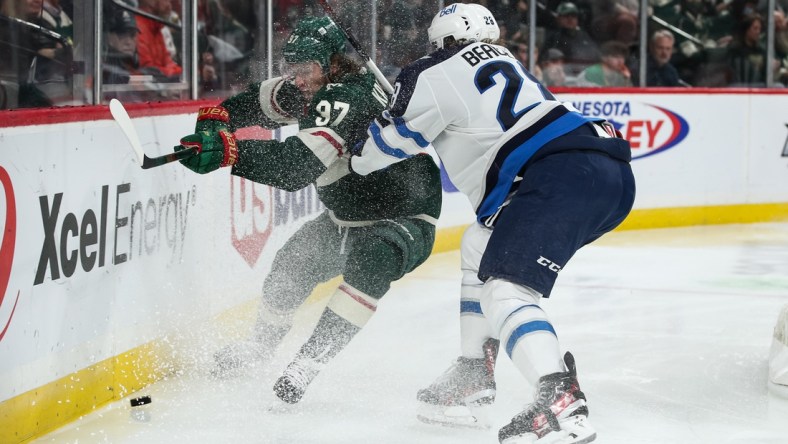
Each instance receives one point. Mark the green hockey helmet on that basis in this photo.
(314, 39)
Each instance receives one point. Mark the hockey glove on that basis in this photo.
(212, 118)
(215, 149)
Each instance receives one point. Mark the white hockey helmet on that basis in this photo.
(460, 21)
(490, 29)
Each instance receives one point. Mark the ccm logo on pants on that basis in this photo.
(543, 261)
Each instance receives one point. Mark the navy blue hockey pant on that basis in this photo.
(565, 200)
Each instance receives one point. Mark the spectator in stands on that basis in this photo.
(741, 9)
(553, 72)
(40, 57)
(405, 22)
(225, 24)
(209, 79)
(702, 59)
(780, 33)
(612, 71)
(659, 70)
(781, 46)
(746, 54)
(546, 12)
(50, 51)
(520, 51)
(120, 61)
(171, 36)
(57, 19)
(696, 18)
(514, 17)
(515, 13)
(578, 47)
(614, 20)
(151, 48)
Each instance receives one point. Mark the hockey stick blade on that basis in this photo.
(123, 120)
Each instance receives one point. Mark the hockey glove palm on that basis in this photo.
(215, 149)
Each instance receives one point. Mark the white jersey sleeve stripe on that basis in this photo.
(404, 131)
(269, 104)
(324, 143)
(380, 143)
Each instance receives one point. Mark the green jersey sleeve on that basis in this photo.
(337, 118)
(287, 165)
(270, 104)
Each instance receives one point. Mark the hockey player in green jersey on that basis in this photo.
(375, 229)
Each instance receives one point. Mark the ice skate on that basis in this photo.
(290, 387)
(231, 359)
(559, 414)
(461, 396)
(259, 349)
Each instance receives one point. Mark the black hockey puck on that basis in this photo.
(142, 400)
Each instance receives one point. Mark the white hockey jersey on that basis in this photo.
(483, 112)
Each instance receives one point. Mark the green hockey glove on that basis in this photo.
(215, 149)
(212, 118)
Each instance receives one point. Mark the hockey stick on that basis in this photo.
(357, 46)
(124, 122)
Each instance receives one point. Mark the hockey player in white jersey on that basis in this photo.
(544, 181)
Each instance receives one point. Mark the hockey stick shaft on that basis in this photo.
(150, 162)
(357, 46)
(123, 120)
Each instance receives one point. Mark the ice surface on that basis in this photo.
(670, 328)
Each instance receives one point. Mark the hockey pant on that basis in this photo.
(369, 258)
(564, 201)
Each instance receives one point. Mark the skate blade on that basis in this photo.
(277, 406)
(561, 437)
(476, 417)
(778, 389)
(576, 431)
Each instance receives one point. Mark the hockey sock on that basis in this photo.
(347, 312)
(271, 325)
(474, 328)
(524, 328)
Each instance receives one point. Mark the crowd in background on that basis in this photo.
(710, 43)
(582, 43)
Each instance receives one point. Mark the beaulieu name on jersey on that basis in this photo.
(484, 52)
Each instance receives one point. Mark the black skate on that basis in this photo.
(559, 414)
(290, 387)
(461, 395)
(330, 336)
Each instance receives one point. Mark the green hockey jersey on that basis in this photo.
(335, 121)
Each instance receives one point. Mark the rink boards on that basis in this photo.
(106, 267)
